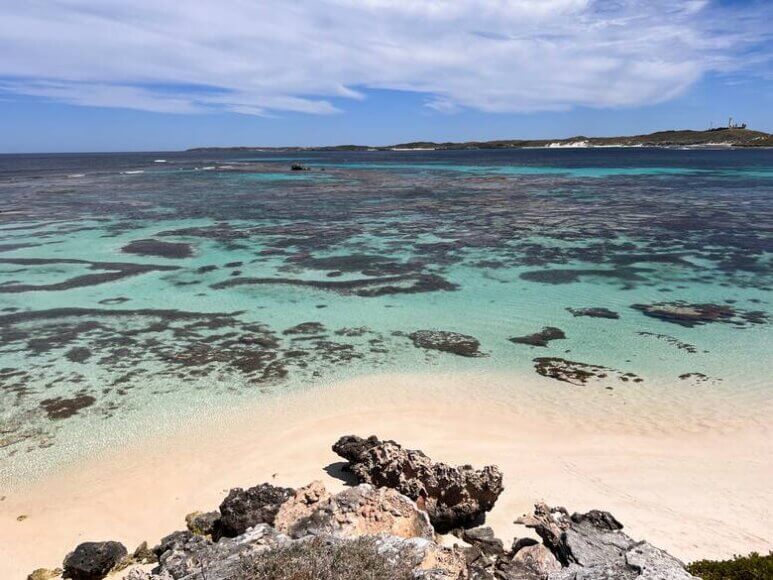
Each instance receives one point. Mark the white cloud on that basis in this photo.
(261, 56)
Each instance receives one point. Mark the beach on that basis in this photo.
(690, 476)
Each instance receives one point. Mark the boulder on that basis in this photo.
(358, 511)
(483, 538)
(539, 559)
(452, 496)
(243, 509)
(93, 560)
(592, 546)
(204, 523)
(45, 574)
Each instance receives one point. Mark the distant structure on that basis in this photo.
(730, 125)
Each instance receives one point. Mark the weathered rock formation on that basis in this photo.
(245, 508)
(446, 341)
(93, 560)
(452, 496)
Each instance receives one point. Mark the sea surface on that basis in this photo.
(137, 289)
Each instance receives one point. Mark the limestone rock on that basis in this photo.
(539, 559)
(243, 509)
(45, 574)
(204, 524)
(452, 496)
(357, 511)
(93, 560)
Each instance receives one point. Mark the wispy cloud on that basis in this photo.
(261, 57)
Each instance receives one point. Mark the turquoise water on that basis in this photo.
(126, 294)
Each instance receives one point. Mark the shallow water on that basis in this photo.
(100, 336)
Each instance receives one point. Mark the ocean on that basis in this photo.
(137, 290)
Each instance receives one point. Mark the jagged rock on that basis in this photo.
(541, 338)
(186, 559)
(93, 560)
(144, 555)
(45, 574)
(430, 561)
(483, 537)
(357, 511)
(591, 546)
(204, 523)
(452, 496)
(519, 543)
(172, 541)
(243, 509)
(443, 340)
(538, 558)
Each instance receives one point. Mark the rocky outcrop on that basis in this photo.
(377, 530)
(591, 546)
(359, 511)
(541, 338)
(245, 508)
(443, 340)
(93, 560)
(452, 496)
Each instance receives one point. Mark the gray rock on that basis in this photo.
(483, 537)
(204, 524)
(452, 496)
(243, 509)
(446, 341)
(93, 560)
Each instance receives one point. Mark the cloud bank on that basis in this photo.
(259, 57)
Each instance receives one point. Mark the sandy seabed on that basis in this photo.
(684, 467)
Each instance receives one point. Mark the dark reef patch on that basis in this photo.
(690, 315)
(60, 408)
(540, 338)
(569, 276)
(79, 354)
(595, 312)
(577, 373)
(446, 341)
(405, 284)
(150, 247)
(112, 271)
(681, 345)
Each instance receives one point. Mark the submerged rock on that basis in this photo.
(243, 509)
(691, 315)
(93, 560)
(443, 340)
(596, 312)
(540, 338)
(452, 496)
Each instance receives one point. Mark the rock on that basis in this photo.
(483, 537)
(93, 560)
(243, 509)
(594, 312)
(453, 342)
(298, 167)
(519, 543)
(452, 496)
(591, 546)
(172, 541)
(45, 574)
(204, 524)
(540, 338)
(538, 558)
(144, 555)
(357, 511)
(691, 315)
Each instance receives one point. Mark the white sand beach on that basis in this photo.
(689, 473)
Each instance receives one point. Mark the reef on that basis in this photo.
(541, 338)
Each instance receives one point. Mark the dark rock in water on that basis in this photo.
(204, 524)
(59, 408)
(78, 354)
(452, 496)
(243, 509)
(453, 342)
(306, 328)
(594, 312)
(691, 315)
(483, 537)
(577, 373)
(591, 546)
(298, 167)
(540, 338)
(93, 560)
(174, 250)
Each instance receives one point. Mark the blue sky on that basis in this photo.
(112, 75)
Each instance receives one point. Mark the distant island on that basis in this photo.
(719, 137)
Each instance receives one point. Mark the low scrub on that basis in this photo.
(751, 567)
(325, 559)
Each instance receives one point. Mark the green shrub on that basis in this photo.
(327, 559)
(751, 567)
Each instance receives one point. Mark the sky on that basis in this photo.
(116, 75)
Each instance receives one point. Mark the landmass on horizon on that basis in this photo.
(734, 136)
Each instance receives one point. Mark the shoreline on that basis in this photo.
(690, 477)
